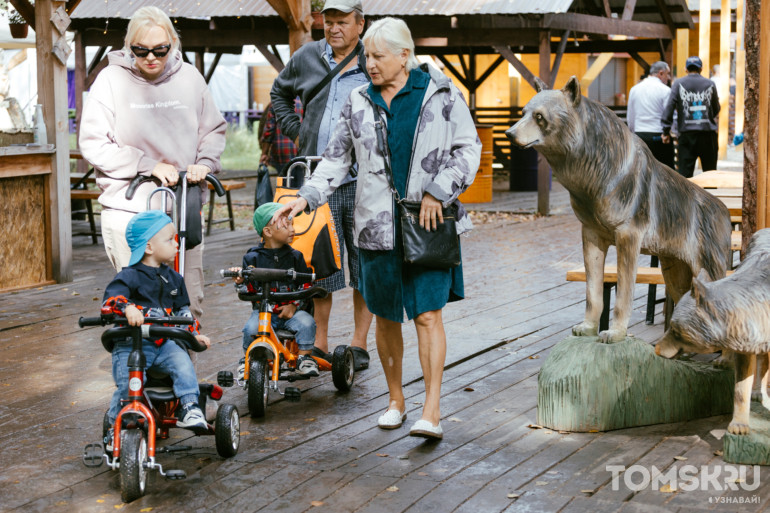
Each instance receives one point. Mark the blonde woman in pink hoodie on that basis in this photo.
(149, 113)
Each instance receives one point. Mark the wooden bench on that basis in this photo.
(228, 185)
(651, 276)
(87, 196)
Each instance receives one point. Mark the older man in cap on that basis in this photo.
(322, 74)
(695, 99)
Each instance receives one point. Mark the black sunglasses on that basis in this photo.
(158, 51)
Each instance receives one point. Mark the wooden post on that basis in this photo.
(52, 94)
(543, 169)
(740, 65)
(80, 80)
(762, 139)
(704, 42)
(751, 191)
(682, 52)
(296, 15)
(724, 78)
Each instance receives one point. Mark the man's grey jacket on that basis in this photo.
(306, 69)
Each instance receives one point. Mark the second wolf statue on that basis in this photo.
(624, 197)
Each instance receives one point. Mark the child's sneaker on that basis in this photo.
(241, 369)
(306, 366)
(191, 417)
(107, 441)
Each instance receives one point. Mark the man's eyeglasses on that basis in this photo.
(158, 51)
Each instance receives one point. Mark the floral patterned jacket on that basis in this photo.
(445, 157)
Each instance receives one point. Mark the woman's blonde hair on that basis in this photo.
(393, 35)
(145, 18)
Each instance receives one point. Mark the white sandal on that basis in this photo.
(391, 419)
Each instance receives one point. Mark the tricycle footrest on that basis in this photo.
(225, 379)
(292, 393)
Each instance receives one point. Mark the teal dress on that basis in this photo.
(388, 284)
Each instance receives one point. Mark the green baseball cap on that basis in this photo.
(264, 214)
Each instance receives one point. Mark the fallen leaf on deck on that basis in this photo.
(95, 299)
(310, 419)
(454, 419)
(680, 458)
(564, 432)
(422, 474)
(586, 491)
(541, 483)
(468, 389)
(535, 426)
(244, 433)
(145, 510)
(316, 503)
(76, 293)
(499, 410)
(718, 453)
(593, 430)
(513, 495)
(404, 457)
(666, 488)
(534, 357)
(382, 455)
(548, 432)
(99, 500)
(416, 402)
(553, 472)
(393, 488)
(270, 438)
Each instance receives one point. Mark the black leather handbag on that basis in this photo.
(439, 249)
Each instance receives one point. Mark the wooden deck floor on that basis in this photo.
(325, 453)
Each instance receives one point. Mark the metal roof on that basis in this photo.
(229, 8)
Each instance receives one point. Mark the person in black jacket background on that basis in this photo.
(695, 99)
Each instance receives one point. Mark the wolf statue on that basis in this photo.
(623, 196)
(730, 314)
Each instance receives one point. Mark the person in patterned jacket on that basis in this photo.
(434, 155)
(150, 288)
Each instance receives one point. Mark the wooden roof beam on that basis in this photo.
(272, 57)
(557, 59)
(628, 10)
(449, 66)
(509, 56)
(587, 24)
(26, 9)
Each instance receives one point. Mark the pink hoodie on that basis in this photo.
(130, 124)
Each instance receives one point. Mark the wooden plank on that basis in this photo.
(740, 65)
(273, 58)
(646, 275)
(557, 59)
(516, 63)
(763, 124)
(543, 168)
(682, 52)
(719, 179)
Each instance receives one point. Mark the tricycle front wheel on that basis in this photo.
(133, 455)
(343, 368)
(258, 388)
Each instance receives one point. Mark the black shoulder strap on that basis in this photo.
(332, 73)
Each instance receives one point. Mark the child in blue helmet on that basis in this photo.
(148, 287)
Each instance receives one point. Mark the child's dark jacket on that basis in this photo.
(284, 257)
(156, 291)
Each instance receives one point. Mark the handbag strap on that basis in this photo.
(380, 129)
(332, 73)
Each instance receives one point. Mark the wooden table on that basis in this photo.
(719, 180)
(733, 204)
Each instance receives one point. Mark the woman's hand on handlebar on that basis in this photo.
(203, 339)
(166, 173)
(430, 213)
(197, 173)
(134, 316)
(236, 279)
(284, 215)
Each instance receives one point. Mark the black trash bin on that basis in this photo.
(523, 172)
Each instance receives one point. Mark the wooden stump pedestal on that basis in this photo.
(585, 385)
(754, 448)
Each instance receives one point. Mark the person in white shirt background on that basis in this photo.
(646, 102)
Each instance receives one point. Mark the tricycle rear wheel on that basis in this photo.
(343, 368)
(133, 455)
(227, 430)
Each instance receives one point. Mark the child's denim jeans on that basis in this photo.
(302, 323)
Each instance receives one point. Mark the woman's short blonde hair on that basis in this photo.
(393, 35)
(145, 18)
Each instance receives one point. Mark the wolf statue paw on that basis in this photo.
(725, 360)
(612, 335)
(738, 428)
(585, 329)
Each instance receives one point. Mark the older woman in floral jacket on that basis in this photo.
(435, 154)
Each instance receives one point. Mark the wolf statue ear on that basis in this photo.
(572, 90)
(699, 290)
(540, 85)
